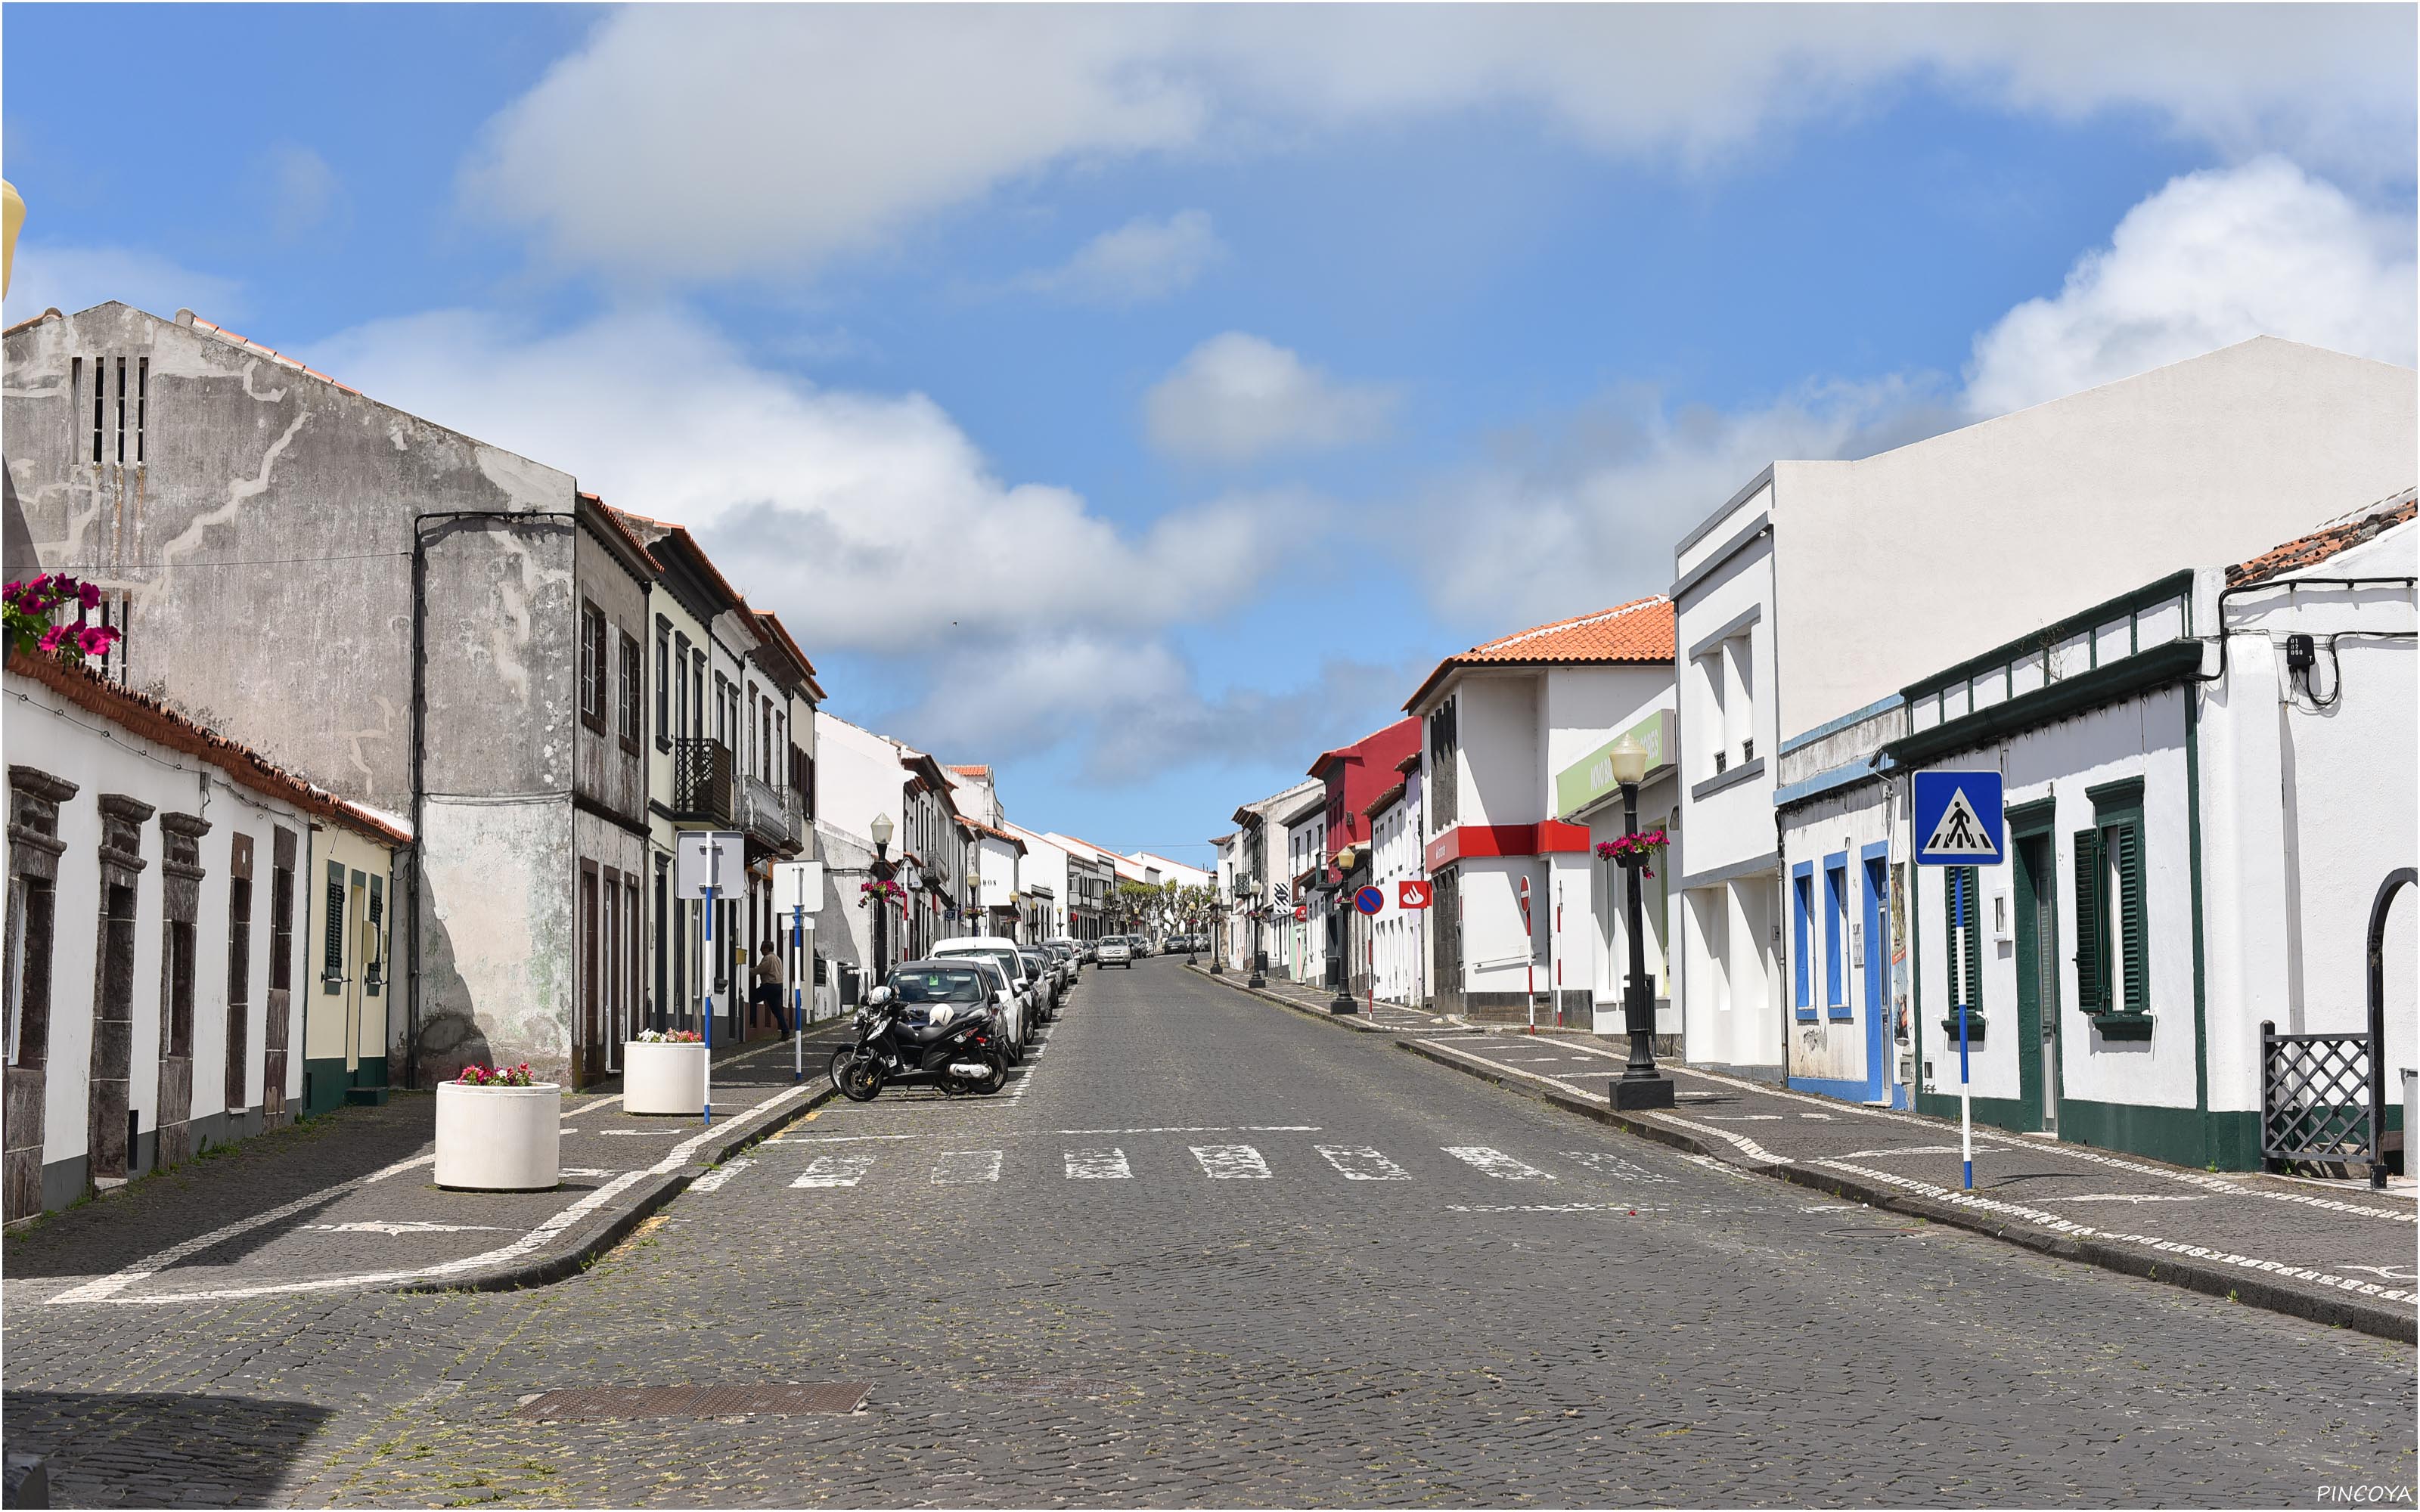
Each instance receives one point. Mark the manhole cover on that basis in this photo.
(775, 1401)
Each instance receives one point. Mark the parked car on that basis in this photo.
(1012, 965)
(1065, 956)
(1046, 977)
(1115, 952)
(1073, 949)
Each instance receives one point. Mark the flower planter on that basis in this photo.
(663, 1076)
(499, 1138)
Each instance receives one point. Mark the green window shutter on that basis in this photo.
(2126, 840)
(332, 971)
(2091, 927)
(1973, 926)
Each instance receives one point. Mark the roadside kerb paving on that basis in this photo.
(1382, 1018)
(2332, 1256)
(347, 1202)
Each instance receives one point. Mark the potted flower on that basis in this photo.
(664, 1072)
(499, 1129)
(1637, 848)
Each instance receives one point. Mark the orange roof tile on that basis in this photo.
(1639, 632)
(2316, 548)
(981, 774)
(209, 328)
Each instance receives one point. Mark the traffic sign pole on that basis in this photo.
(1958, 901)
(714, 858)
(798, 1000)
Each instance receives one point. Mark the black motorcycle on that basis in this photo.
(954, 1048)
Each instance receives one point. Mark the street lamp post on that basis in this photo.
(1640, 1085)
(881, 831)
(1344, 1001)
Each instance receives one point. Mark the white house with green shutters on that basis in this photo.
(2207, 780)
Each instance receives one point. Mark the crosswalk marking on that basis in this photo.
(962, 1168)
(835, 1170)
(1496, 1163)
(1358, 1164)
(714, 1180)
(1231, 1161)
(1605, 1163)
(1097, 1166)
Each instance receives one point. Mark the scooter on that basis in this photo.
(951, 1047)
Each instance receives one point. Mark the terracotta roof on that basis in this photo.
(51, 314)
(139, 713)
(994, 833)
(2310, 551)
(981, 774)
(1408, 764)
(186, 317)
(1636, 633)
(1383, 800)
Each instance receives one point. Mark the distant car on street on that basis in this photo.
(1115, 952)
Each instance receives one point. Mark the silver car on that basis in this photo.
(1115, 952)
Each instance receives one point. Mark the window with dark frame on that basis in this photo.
(630, 693)
(331, 969)
(1963, 911)
(2112, 947)
(664, 684)
(33, 908)
(374, 941)
(181, 987)
(592, 667)
(281, 930)
(238, 992)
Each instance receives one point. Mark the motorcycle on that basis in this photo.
(949, 1047)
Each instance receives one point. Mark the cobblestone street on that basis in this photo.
(1206, 1251)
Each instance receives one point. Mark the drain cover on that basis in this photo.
(774, 1400)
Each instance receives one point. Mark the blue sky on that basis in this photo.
(1139, 400)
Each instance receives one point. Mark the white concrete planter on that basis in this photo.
(663, 1076)
(499, 1138)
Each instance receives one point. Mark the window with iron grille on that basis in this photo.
(631, 695)
(592, 667)
(2112, 926)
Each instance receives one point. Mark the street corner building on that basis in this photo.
(1527, 924)
(430, 626)
(198, 941)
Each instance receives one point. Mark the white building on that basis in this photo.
(2159, 903)
(1587, 793)
(1516, 931)
(1260, 922)
(176, 905)
(1302, 908)
(1399, 943)
(1821, 589)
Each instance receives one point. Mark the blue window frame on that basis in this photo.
(1836, 934)
(1802, 897)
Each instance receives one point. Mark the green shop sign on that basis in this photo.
(1589, 780)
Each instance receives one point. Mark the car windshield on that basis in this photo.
(938, 984)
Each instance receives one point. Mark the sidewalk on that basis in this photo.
(2336, 1253)
(345, 1202)
(1384, 1018)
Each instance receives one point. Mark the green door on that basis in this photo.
(2038, 980)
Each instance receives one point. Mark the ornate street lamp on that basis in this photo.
(881, 831)
(1640, 1085)
(1344, 1001)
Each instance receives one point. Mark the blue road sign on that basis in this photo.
(1370, 900)
(1957, 819)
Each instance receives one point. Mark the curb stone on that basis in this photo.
(2245, 1287)
(608, 1226)
(1355, 1022)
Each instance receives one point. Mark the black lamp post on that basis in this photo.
(1343, 970)
(1641, 1086)
(1218, 939)
(1259, 918)
(881, 831)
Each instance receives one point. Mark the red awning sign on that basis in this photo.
(1411, 894)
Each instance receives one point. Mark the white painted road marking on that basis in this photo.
(964, 1168)
(1231, 1161)
(1496, 1163)
(1551, 1206)
(2128, 1196)
(1605, 1163)
(713, 1181)
(835, 1170)
(1097, 1166)
(1361, 1164)
(408, 1226)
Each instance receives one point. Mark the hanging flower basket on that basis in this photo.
(31, 604)
(881, 889)
(1637, 848)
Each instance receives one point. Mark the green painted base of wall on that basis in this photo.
(2180, 1137)
(371, 1072)
(323, 1085)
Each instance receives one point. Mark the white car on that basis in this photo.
(1004, 953)
(1116, 952)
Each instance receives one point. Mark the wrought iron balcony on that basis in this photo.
(702, 782)
(772, 816)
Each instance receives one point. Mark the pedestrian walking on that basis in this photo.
(768, 994)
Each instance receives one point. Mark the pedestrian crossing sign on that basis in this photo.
(1957, 819)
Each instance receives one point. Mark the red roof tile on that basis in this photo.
(2316, 548)
(1636, 633)
(212, 328)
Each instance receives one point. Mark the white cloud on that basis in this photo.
(1140, 261)
(869, 521)
(2211, 259)
(301, 190)
(50, 274)
(692, 141)
(1238, 397)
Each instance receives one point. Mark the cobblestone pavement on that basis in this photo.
(1206, 1253)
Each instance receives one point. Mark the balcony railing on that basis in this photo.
(771, 816)
(702, 782)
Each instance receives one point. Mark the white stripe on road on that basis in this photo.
(1605, 1163)
(1097, 1166)
(1356, 1164)
(1552, 1207)
(1231, 1161)
(1496, 1163)
(714, 1180)
(964, 1168)
(835, 1170)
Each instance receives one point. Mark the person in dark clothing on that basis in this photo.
(768, 994)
